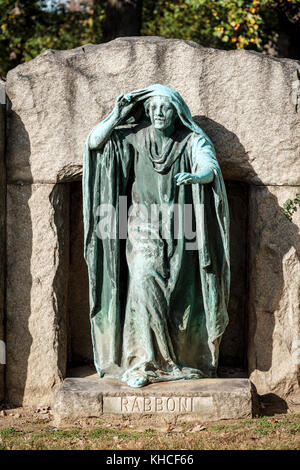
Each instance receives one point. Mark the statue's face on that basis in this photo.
(161, 112)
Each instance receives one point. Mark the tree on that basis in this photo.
(288, 41)
(29, 27)
(123, 18)
(225, 24)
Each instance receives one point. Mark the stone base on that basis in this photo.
(204, 399)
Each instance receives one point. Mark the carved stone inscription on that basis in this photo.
(146, 404)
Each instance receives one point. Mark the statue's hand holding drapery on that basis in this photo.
(206, 176)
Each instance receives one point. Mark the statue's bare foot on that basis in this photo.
(137, 380)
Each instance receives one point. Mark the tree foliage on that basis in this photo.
(29, 27)
(290, 207)
(226, 24)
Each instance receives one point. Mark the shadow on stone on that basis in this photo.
(271, 404)
(80, 350)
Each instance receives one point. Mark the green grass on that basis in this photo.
(109, 433)
(277, 432)
(7, 432)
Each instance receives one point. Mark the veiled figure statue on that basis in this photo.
(158, 302)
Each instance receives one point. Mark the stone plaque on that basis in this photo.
(148, 404)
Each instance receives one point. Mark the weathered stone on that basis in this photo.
(78, 398)
(37, 283)
(2, 234)
(206, 399)
(245, 101)
(274, 294)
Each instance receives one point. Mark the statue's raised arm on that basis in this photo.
(102, 131)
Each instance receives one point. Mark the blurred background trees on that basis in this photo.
(122, 18)
(29, 27)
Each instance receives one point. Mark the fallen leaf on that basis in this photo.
(169, 428)
(197, 428)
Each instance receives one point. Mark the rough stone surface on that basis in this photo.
(2, 232)
(274, 295)
(206, 399)
(244, 100)
(37, 282)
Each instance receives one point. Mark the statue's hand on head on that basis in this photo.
(122, 108)
(205, 176)
(101, 133)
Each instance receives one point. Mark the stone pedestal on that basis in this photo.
(204, 399)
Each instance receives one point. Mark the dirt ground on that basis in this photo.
(26, 429)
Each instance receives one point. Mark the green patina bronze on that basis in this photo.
(158, 309)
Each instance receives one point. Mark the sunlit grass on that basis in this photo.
(276, 432)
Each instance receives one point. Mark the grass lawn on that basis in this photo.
(20, 429)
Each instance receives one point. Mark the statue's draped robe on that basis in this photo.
(161, 308)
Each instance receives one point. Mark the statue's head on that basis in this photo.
(160, 111)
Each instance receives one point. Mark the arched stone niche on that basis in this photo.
(233, 354)
(247, 104)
